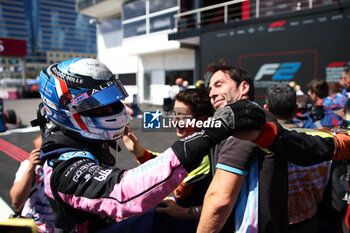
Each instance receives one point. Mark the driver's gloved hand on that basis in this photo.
(232, 118)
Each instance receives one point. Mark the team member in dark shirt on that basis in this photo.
(252, 183)
(245, 180)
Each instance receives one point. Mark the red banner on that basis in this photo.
(13, 47)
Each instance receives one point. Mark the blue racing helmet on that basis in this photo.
(82, 95)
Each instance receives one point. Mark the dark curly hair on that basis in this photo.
(281, 100)
(197, 100)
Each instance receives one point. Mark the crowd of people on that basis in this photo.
(281, 167)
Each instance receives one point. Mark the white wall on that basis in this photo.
(179, 59)
(151, 43)
(151, 53)
(157, 86)
(157, 64)
(131, 91)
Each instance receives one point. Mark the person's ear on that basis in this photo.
(245, 87)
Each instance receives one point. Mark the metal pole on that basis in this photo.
(225, 14)
(23, 74)
(310, 4)
(198, 19)
(23, 70)
(257, 9)
(147, 18)
(177, 18)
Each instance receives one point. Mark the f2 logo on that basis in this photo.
(284, 71)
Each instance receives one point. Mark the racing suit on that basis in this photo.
(305, 147)
(192, 190)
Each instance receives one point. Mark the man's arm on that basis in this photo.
(21, 189)
(219, 200)
(304, 148)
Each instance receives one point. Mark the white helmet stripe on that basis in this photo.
(73, 120)
(61, 86)
(80, 122)
(58, 88)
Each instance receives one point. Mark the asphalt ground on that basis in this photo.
(22, 138)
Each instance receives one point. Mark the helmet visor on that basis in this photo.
(102, 95)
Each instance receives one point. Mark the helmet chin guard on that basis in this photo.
(82, 95)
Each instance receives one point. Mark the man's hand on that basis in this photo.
(242, 114)
(235, 118)
(171, 208)
(34, 158)
(245, 118)
(132, 143)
